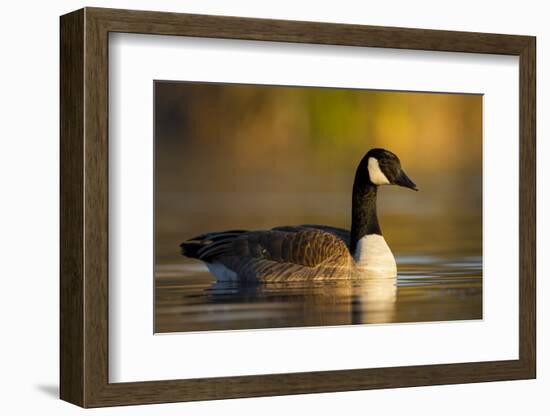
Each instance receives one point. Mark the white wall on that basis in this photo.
(29, 205)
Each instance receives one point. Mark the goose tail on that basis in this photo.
(204, 246)
(190, 249)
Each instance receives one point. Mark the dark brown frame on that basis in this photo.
(84, 214)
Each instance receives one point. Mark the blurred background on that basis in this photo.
(248, 156)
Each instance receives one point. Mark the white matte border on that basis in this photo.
(135, 354)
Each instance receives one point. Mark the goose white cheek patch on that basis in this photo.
(376, 175)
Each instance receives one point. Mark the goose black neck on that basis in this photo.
(364, 220)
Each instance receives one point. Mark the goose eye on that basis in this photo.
(386, 164)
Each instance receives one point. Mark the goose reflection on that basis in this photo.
(332, 303)
(428, 288)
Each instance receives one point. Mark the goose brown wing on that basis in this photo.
(307, 247)
(341, 233)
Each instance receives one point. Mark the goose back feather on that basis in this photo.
(304, 252)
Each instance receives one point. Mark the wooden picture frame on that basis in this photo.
(84, 207)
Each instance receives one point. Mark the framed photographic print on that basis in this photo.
(255, 207)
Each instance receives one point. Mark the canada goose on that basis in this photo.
(310, 252)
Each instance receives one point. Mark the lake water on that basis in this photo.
(428, 288)
(435, 236)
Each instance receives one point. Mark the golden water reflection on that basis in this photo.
(188, 299)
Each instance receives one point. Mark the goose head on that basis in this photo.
(370, 251)
(382, 167)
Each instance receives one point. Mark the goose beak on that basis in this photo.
(405, 181)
